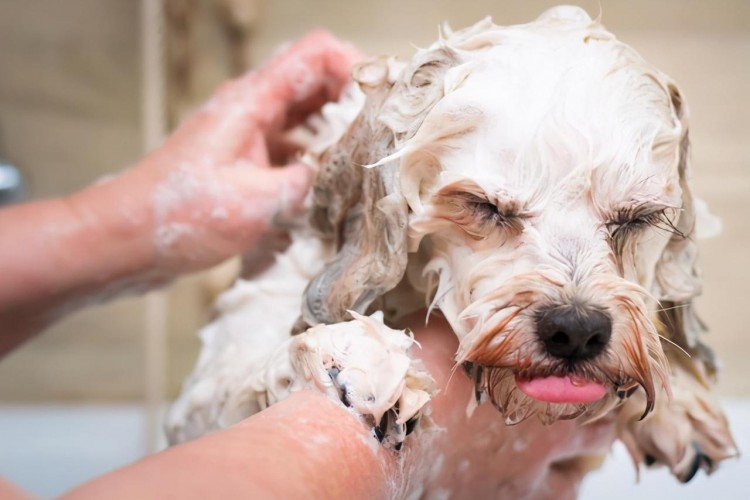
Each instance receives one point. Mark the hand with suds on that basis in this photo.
(213, 190)
(208, 193)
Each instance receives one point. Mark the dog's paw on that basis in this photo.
(688, 434)
(362, 364)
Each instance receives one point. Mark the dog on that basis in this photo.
(528, 182)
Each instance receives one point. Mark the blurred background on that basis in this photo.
(74, 75)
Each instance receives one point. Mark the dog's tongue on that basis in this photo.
(567, 389)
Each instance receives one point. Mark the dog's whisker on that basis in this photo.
(671, 308)
(673, 344)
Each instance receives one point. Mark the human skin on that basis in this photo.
(207, 194)
(10, 491)
(309, 447)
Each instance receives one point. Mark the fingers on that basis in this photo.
(295, 82)
(317, 63)
(256, 149)
(286, 187)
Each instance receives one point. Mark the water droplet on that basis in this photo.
(578, 381)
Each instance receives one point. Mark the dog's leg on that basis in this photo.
(686, 434)
(362, 364)
(254, 318)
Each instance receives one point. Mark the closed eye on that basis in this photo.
(627, 223)
(478, 216)
(508, 218)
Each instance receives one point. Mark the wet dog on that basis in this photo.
(531, 183)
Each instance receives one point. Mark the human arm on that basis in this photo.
(307, 446)
(9, 491)
(303, 447)
(206, 194)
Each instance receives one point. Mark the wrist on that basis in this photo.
(115, 230)
(64, 253)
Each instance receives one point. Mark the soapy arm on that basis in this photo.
(211, 191)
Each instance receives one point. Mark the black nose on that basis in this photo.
(574, 332)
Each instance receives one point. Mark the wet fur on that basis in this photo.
(383, 197)
(453, 188)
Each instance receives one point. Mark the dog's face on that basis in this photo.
(543, 171)
(548, 201)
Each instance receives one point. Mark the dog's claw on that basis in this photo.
(707, 462)
(687, 468)
(411, 424)
(333, 372)
(702, 460)
(391, 433)
(687, 434)
(366, 366)
(381, 428)
(695, 466)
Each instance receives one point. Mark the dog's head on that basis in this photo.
(535, 175)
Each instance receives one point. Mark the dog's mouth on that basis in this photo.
(550, 394)
(562, 389)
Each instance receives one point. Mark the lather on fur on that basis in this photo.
(521, 180)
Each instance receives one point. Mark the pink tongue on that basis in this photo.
(562, 389)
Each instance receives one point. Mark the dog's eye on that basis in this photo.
(489, 213)
(486, 209)
(477, 216)
(626, 223)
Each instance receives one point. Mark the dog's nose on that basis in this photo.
(574, 332)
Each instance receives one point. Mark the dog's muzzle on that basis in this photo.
(571, 334)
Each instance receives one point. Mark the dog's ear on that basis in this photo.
(688, 430)
(678, 281)
(359, 206)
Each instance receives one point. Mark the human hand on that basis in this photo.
(216, 192)
(210, 192)
(214, 188)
